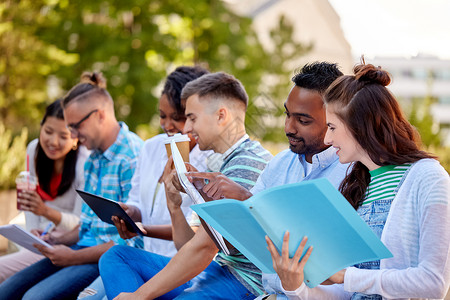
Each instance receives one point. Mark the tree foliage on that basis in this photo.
(421, 118)
(47, 44)
(12, 159)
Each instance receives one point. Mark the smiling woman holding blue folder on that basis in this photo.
(401, 192)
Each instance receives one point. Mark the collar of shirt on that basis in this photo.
(235, 146)
(216, 160)
(322, 159)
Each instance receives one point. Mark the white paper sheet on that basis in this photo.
(192, 191)
(21, 237)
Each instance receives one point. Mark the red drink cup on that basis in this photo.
(25, 181)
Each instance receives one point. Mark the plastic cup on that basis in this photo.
(182, 141)
(25, 181)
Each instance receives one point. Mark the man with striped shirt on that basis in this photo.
(215, 110)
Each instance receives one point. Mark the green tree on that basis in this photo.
(12, 159)
(26, 62)
(266, 111)
(47, 44)
(421, 118)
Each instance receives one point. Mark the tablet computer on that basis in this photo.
(106, 208)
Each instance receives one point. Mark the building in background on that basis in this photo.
(314, 21)
(418, 78)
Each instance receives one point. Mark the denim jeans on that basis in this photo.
(125, 269)
(95, 291)
(43, 280)
(375, 215)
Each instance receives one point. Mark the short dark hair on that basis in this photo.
(216, 85)
(177, 80)
(90, 84)
(44, 165)
(317, 76)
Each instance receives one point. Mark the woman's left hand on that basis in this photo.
(335, 278)
(290, 270)
(31, 201)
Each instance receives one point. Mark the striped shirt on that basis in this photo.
(383, 182)
(108, 174)
(380, 193)
(243, 166)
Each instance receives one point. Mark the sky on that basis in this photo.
(396, 27)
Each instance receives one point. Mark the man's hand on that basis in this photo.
(173, 197)
(60, 255)
(173, 177)
(219, 186)
(173, 186)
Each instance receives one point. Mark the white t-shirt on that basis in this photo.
(154, 211)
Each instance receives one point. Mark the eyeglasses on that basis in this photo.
(73, 128)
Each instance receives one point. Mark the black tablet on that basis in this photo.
(106, 208)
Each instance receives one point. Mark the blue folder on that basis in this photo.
(313, 208)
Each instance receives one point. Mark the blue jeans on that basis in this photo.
(95, 291)
(375, 215)
(125, 269)
(43, 280)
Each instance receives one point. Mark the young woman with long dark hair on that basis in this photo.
(57, 162)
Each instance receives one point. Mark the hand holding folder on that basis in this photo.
(311, 208)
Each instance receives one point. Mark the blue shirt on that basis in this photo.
(288, 167)
(108, 174)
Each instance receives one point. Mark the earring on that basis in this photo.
(75, 146)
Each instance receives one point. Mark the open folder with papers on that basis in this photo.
(194, 194)
(312, 208)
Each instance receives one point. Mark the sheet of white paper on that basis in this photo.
(192, 191)
(21, 237)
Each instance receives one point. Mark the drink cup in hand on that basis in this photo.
(25, 181)
(182, 141)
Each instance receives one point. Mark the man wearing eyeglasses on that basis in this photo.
(89, 115)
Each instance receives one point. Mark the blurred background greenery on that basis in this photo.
(46, 45)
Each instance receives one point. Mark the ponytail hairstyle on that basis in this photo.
(91, 84)
(374, 118)
(44, 165)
